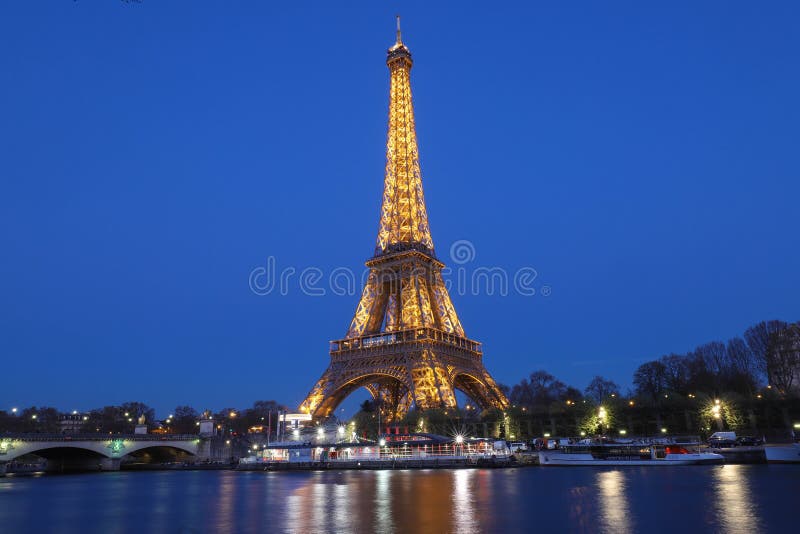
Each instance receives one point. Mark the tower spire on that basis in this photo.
(399, 40)
(404, 218)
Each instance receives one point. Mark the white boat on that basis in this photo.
(783, 454)
(633, 452)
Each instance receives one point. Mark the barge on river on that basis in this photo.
(605, 452)
(423, 451)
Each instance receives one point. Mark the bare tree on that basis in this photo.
(758, 338)
(599, 389)
(650, 379)
(783, 358)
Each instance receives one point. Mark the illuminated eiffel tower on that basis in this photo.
(405, 344)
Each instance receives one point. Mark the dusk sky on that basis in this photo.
(642, 159)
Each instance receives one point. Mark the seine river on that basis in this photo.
(731, 498)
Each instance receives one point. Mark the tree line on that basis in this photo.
(122, 419)
(766, 356)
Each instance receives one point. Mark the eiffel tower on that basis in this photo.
(405, 344)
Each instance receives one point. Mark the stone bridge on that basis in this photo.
(91, 451)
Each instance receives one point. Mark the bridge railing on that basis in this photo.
(96, 437)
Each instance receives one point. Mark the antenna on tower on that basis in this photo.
(399, 41)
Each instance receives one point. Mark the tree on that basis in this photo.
(758, 338)
(650, 380)
(676, 373)
(541, 389)
(42, 419)
(263, 413)
(108, 419)
(783, 358)
(184, 420)
(136, 410)
(600, 389)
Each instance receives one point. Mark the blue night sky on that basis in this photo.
(642, 158)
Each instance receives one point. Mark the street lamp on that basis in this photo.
(602, 415)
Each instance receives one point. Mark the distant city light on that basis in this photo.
(547, 434)
(623, 432)
(663, 430)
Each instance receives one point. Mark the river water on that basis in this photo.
(730, 498)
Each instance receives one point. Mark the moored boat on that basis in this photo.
(783, 454)
(603, 452)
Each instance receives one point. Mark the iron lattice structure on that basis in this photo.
(405, 344)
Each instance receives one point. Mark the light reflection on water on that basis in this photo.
(734, 502)
(614, 513)
(666, 499)
(383, 502)
(463, 510)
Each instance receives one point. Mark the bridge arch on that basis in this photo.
(113, 448)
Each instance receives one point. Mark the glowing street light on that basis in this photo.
(663, 430)
(459, 439)
(382, 442)
(715, 410)
(13, 410)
